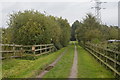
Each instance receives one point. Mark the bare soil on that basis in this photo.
(74, 69)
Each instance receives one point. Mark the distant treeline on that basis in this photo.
(91, 30)
(31, 27)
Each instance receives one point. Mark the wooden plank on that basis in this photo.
(40, 49)
(10, 51)
(107, 57)
(110, 67)
(43, 49)
(10, 45)
(6, 51)
(27, 46)
(43, 45)
(116, 52)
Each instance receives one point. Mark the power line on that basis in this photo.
(98, 8)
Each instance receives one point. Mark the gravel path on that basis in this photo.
(74, 69)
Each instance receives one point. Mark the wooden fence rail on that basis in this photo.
(12, 50)
(111, 59)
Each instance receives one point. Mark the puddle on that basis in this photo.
(48, 68)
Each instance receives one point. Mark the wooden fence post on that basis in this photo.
(40, 48)
(46, 48)
(115, 58)
(106, 58)
(21, 50)
(13, 49)
(33, 49)
(51, 48)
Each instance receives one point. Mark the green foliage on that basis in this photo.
(96, 41)
(88, 29)
(65, 31)
(113, 32)
(109, 32)
(91, 30)
(31, 27)
(6, 35)
(75, 25)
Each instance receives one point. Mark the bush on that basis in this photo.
(31, 27)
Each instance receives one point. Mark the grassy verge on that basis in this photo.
(88, 67)
(63, 67)
(72, 42)
(21, 68)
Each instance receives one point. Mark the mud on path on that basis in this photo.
(46, 70)
(74, 69)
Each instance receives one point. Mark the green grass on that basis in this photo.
(21, 68)
(63, 67)
(88, 67)
(72, 42)
(0, 69)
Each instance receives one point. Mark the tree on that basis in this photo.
(113, 33)
(65, 31)
(31, 27)
(91, 30)
(87, 29)
(6, 35)
(73, 29)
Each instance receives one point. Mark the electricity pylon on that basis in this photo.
(98, 8)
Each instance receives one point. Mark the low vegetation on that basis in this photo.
(31, 27)
(22, 68)
(88, 67)
(63, 67)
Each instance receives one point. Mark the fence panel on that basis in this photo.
(111, 59)
(12, 50)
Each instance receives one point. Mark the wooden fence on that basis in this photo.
(109, 58)
(12, 50)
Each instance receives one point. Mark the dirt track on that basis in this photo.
(74, 69)
(50, 66)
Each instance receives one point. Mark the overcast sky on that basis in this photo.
(70, 10)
